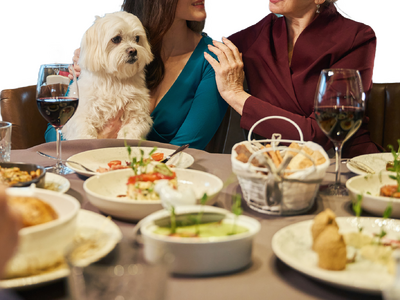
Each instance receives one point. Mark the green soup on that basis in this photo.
(215, 229)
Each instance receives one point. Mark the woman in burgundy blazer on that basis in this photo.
(282, 59)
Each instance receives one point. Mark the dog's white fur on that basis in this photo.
(112, 78)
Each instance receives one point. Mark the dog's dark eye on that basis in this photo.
(137, 39)
(116, 39)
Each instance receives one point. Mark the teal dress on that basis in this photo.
(192, 109)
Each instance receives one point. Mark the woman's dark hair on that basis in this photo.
(157, 17)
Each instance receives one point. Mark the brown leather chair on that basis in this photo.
(18, 106)
(383, 110)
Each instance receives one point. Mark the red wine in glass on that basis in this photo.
(339, 106)
(57, 100)
(57, 111)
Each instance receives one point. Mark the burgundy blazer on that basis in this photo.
(330, 41)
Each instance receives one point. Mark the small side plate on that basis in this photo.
(56, 183)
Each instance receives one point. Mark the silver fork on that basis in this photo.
(65, 160)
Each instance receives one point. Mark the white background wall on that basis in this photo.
(46, 31)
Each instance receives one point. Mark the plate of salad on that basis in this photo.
(115, 158)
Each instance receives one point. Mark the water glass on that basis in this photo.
(5, 141)
(124, 274)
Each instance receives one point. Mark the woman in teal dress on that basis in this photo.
(185, 102)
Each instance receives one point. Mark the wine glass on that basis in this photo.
(339, 108)
(57, 99)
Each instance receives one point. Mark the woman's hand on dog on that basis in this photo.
(77, 68)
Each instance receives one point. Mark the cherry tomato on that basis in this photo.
(162, 176)
(157, 156)
(149, 177)
(118, 167)
(114, 163)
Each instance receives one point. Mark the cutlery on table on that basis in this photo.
(361, 166)
(65, 160)
(181, 148)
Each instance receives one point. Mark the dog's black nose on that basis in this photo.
(131, 51)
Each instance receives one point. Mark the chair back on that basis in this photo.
(217, 143)
(228, 134)
(383, 110)
(18, 106)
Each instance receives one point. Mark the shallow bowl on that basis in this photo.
(102, 191)
(201, 256)
(39, 181)
(369, 187)
(41, 246)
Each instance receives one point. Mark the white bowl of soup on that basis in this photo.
(225, 247)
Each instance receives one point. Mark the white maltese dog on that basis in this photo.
(114, 52)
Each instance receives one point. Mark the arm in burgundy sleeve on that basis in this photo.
(360, 56)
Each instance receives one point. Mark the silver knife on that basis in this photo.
(361, 166)
(181, 148)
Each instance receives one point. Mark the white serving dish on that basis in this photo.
(369, 187)
(102, 191)
(41, 246)
(201, 256)
(57, 183)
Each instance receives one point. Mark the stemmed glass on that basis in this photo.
(339, 108)
(57, 99)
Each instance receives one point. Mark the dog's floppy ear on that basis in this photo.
(90, 56)
(134, 21)
(147, 46)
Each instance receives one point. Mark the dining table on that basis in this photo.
(267, 277)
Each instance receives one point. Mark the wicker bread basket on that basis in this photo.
(296, 189)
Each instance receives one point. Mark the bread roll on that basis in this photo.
(331, 249)
(321, 221)
(33, 211)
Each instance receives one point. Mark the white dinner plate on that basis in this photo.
(57, 183)
(292, 245)
(376, 161)
(94, 159)
(88, 225)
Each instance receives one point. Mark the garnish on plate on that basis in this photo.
(198, 224)
(236, 209)
(118, 164)
(141, 186)
(393, 190)
(357, 210)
